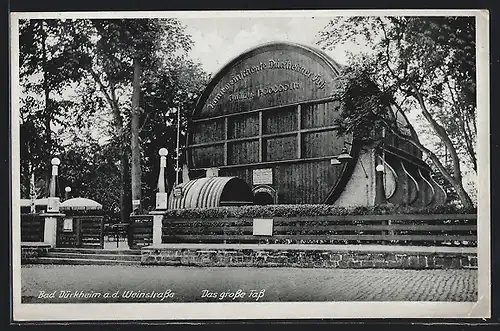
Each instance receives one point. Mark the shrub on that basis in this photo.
(309, 210)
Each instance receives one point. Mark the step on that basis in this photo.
(97, 251)
(123, 257)
(473, 267)
(66, 261)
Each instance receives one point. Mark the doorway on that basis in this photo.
(263, 198)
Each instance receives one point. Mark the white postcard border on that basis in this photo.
(265, 310)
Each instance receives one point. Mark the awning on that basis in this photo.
(80, 204)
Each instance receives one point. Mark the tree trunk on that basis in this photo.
(47, 112)
(134, 143)
(441, 133)
(125, 202)
(463, 196)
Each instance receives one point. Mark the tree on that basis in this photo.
(175, 88)
(118, 54)
(138, 46)
(91, 169)
(129, 74)
(414, 63)
(44, 73)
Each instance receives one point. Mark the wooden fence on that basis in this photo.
(141, 230)
(32, 227)
(401, 229)
(86, 232)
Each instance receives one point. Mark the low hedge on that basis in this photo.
(309, 210)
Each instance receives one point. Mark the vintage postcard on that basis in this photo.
(250, 165)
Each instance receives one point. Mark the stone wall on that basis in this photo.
(305, 258)
(29, 253)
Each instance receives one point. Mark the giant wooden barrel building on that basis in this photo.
(268, 118)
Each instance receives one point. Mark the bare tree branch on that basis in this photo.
(467, 137)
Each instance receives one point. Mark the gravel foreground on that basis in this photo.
(112, 284)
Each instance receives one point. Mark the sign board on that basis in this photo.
(262, 226)
(53, 204)
(269, 76)
(212, 172)
(262, 176)
(161, 200)
(178, 191)
(68, 224)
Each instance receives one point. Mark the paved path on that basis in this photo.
(280, 284)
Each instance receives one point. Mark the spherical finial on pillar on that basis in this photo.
(53, 181)
(163, 151)
(379, 168)
(55, 163)
(163, 164)
(163, 157)
(53, 200)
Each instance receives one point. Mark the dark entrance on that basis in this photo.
(263, 198)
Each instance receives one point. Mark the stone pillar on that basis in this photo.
(53, 201)
(161, 199)
(157, 226)
(162, 195)
(50, 227)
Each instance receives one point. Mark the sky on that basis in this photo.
(216, 42)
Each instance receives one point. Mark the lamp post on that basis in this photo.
(53, 181)
(379, 184)
(161, 199)
(53, 200)
(52, 215)
(162, 195)
(67, 190)
(344, 157)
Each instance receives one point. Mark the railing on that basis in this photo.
(141, 230)
(401, 229)
(115, 235)
(32, 227)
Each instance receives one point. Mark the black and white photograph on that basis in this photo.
(250, 164)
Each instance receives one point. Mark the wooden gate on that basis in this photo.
(80, 231)
(141, 231)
